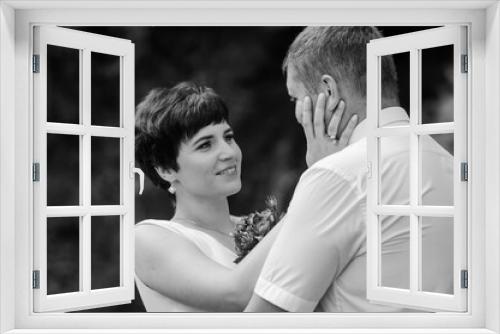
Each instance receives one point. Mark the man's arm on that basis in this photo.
(258, 304)
(308, 240)
(322, 232)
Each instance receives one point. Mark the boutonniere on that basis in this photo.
(250, 230)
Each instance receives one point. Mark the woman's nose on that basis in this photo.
(227, 151)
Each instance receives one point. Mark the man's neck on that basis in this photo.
(357, 106)
(354, 106)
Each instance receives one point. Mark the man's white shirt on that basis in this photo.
(318, 261)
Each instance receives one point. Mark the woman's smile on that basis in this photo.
(230, 171)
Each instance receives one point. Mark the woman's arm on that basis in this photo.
(175, 267)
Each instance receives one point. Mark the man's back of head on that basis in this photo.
(339, 52)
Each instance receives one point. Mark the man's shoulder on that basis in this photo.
(349, 162)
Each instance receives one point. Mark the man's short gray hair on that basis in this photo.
(341, 53)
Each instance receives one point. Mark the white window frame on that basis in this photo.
(16, 21)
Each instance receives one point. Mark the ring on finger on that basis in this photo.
(333, 139)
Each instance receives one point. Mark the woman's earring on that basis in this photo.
(171, 189)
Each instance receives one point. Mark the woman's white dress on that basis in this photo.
(155, 301)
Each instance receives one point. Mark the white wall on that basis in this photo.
(493, 166)
(7, 168)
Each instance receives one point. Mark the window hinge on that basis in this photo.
(465, 65)
(36, 63)
(36, 279)
(464, 171)
(464, 279)
(36, 172)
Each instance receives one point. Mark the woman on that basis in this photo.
(186, 146)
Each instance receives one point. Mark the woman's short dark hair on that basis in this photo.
(169, 116)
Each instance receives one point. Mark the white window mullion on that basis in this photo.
(127, 221)
(372, 225)
(95, 210)
(460, 155)
(124, 176)
(40, 156)
(77, 129)
(415, 107)
(405, 210)
(85, 161)
(429, 129)
(420, 129)
(85, 252)
(107, 131)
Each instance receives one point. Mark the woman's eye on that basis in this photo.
(204, 146)
(230, 137)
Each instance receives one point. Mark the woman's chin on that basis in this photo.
(234, 189)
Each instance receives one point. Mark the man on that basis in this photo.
(318, 261)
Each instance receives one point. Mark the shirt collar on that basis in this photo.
(388, 116)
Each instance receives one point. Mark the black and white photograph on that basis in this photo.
(237, 193)
(212, 166)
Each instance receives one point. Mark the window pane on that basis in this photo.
(105, 90)
(394, 170)
(437, 254)
(105, 171)
(63, 253)
(395, 251)
(437, 84)
(63, 170)
(63, 84)
(394, 86)
(105, 252)
(436, 174)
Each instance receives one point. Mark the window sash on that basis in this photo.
(413, 43)
(86, 43)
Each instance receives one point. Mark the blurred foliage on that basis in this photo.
(243, 65)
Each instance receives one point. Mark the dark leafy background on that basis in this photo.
(243, 64)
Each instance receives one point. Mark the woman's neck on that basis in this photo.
(211, 213)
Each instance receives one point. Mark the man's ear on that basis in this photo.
(166, 174)
(329, 86)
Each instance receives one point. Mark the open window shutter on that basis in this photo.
(415, 296)
(83, 99)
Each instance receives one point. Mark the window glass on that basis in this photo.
(105, 250)
(437, 84)
(105, 100)
(437, 253)
(105, 171)
(63, 254)
(395, 251)
(394, 185)
(63, 85)
(63, 170)
(436, 184)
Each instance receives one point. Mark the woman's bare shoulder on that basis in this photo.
(156, 234)
(236, 219)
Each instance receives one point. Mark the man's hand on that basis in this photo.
(320, 143)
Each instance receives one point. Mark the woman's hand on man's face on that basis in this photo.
(323, 140)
